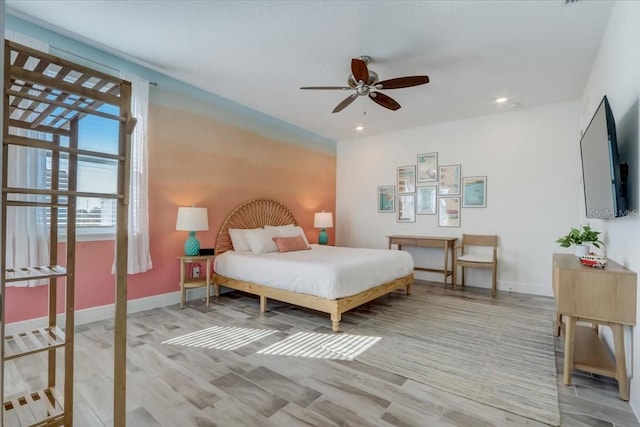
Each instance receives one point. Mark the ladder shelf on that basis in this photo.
(45, 98)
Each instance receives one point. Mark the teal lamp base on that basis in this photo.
(192, 245)
(323, 238)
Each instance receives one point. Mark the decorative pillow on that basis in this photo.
(287, 231)
(260, 241)
(237, 239)
(290, 244)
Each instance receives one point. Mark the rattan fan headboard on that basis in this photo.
(255, 213)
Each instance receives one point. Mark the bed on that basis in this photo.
(262, 212)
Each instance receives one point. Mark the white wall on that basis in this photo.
(616, 73)
(532, 163)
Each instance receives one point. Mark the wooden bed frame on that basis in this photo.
(260, 212)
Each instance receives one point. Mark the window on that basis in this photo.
(93, 215)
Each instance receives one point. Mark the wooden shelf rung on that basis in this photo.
(49, 400)
(24, 141)
(25, 203)
(47, 192)
(19, 342)
(33, 341)
(19, 406)
(31, 273)
(38, 408)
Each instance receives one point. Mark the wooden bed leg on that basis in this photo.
(335, 322)
(409, 288)
(263, 304)
(216, 290)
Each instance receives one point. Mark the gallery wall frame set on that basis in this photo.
(428, 188)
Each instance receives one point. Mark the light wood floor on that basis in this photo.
(174, 385)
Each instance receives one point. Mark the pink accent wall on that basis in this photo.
(194, 160)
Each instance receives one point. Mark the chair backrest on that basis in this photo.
(480, 240)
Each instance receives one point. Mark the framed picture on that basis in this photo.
(474, 192)
(449, 177)
(426, 203)
(406, 179)
(406, 208)
(449, 212)
(387, 198)
(428, 167)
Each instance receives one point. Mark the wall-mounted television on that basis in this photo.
(602, 174)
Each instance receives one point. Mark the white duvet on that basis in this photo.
(324, 271)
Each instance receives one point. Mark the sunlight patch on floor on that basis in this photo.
(321, 346)
(220, 337)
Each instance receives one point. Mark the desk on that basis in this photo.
(446, 243)
(604, 297)
(194, 282)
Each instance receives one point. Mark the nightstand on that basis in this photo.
(194, 282)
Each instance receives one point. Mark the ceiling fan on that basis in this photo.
(365, 83)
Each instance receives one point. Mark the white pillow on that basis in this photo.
(288, 231)
(277, 227)
(237, 239)
(260, 240)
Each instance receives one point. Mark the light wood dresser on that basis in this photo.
(604, 297)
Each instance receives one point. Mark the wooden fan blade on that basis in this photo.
(359, 70)
(327, 87)
(384, 100)
(400, 82)
(348, 100)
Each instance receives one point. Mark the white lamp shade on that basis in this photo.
(192, 219)
(323, 220)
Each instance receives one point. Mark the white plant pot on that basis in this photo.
(581, 250)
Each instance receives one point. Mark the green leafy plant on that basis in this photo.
(580, 237)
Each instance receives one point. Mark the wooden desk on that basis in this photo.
(601, 297)
(447, 243)
(194, 282)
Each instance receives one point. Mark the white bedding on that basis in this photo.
(324, 271)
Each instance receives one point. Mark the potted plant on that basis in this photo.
(581, 239)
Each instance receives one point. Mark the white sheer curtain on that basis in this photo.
(139, 255)
(27, 231)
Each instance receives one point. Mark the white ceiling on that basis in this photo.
(258, 53)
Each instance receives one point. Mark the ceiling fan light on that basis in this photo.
(359, 128)
(501, 100)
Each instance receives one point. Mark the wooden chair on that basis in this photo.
(463, 258)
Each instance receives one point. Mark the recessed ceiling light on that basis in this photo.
(359, 127)
(501, 100)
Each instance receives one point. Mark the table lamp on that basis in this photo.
(323, 220)
(192, 219)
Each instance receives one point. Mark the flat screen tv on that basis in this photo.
(602, 176)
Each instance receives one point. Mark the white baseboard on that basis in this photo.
(634, 401)
(542, 289)
(523, 288)
(103, 312)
